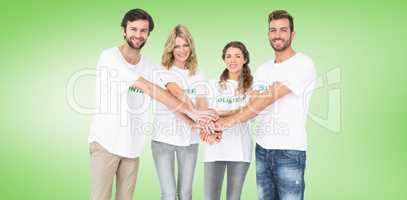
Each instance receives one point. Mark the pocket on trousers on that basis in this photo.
(291, 157)
(293, 153)
(93, 147)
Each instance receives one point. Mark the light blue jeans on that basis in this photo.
(164, 159)
(214, 173)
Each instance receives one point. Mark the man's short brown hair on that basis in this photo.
(282, 14)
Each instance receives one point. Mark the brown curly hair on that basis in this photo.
(246, 78)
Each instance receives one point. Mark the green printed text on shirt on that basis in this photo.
(135, 90)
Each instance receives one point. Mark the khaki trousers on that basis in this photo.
(104, 167)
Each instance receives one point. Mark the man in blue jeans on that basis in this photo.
(283, 86)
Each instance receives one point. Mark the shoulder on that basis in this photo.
(110, 52)
(163, 71)
(147, 62)
(304, 63)
(263, 71)
(304, 60)
(265, 66)
(199, 74)
(108, 57)
(150, 67)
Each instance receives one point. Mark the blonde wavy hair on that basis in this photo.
(168, 57)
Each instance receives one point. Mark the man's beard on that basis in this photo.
(131, 45)
(285, 46)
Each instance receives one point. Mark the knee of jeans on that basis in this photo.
(264, 185)
(291, 179)
(263, 191)
(185, 191)
(168, 195)
(168, 192)
(185, 195)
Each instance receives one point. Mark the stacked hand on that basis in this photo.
(211, 129)
(203, 116)
(211, 138)
(210, 125)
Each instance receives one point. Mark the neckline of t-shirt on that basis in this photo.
(229, 83)
(125, 61)
(179, 69)
(288, 60)
(232, 81)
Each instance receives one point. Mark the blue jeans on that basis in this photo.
(164, 156)
(280, 174)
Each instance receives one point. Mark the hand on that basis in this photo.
(211, 138)
(206, 137)
(218, 136)
(204, 116)
(208, 127)
(222, 123)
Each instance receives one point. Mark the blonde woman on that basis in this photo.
(174, 137)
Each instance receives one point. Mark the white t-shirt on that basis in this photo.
(122, 109)
(236, 143)
(282, 124)
(168, 128)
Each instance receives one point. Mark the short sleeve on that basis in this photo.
(260, 82)
(155, 74)
(100, 76)
(166, 77)
(298, 77)
(111, 75)
(201, 85)
(102, 61)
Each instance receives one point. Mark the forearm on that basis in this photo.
(261, 101)
(253, 109)
(201, 103)
(228, 113)
(162, 96)
(183, 98)
(186, 119)
(178, 92)
(250, 111)
(258, 103)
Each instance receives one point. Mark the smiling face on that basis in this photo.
(136, 33)
(234, 60)
(181, 51)
(280, 35)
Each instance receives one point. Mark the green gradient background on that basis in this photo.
(44, 151)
